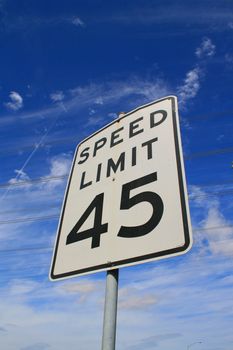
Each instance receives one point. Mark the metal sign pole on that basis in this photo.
(110, 307)
(110, 310)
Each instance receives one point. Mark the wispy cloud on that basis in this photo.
(78, 22)
(21, 176)
(190, 86)
(134, 88)
(217, 236)
(137, 301)
(192, 81)
(203, 15)
(39, 199)
(57, 96)
(59, 166)
(80, 287)
(15, 21)
(16, 101)
(206, 49)
(220, 238)
(182, 296)
(22, 287)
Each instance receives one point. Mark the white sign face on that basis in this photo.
(126, 199)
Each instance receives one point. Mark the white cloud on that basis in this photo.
(33, 199)
(99, 100)
(134, 298)
(190, 86)
(60, 165)
(217, 230)
(46, 317)
(19, 287)
(78, 22)
(21, 176)
(135, 90)
(185, 298)
(206, 49)
(202, 17)
(16, 102)
(138, 90)
(112, 115)
(138, 302)
(80, 287)
(220, 238)
(92, 111)
(200, 198)
(57, 96)
(81, 290)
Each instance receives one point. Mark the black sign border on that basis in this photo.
(142, 258)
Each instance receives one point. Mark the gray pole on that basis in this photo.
(110, 310)
(110, 307)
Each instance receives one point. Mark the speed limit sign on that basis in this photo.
(126, 199)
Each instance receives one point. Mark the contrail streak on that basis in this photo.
(37, 146)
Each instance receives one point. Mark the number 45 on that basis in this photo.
(126, 203)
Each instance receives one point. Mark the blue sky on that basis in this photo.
(68, 68)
